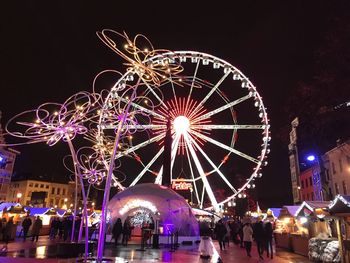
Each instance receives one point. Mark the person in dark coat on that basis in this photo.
(220, 231)
(67, 226)
(117, 230)
(259, 236)
(268, 229)
(27, 222)
(126, 233)
(38, 224)
(7, 232)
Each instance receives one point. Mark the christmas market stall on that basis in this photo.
(340, 209)
(17, 212)
(315, 230)
(46, 214)
(285, 224)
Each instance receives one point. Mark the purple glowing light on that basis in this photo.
(311, 158)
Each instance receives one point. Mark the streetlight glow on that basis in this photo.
(311, 158)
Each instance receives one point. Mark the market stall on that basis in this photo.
(315, 228)
(284, 226)
(340, 209)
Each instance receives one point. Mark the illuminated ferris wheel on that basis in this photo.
(219, 128)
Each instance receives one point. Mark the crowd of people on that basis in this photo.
(240, 233)
(120, 229)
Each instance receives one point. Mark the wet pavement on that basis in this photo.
(45, 251)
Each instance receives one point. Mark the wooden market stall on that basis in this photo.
(285, 225)
(312, 221)
(340, 209)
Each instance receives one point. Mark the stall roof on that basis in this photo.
(340, 204)
(37, 210)
(291, 209)
(275, 211)
(312, 205)
(7, 205)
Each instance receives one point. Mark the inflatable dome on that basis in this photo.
(156, 204)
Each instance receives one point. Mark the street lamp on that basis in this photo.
(19, 196)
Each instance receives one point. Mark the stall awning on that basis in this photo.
(312, 208)
(288, 211)
(6, 206)
(275, 212)
(340, 204)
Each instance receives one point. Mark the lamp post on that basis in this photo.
(19, 196)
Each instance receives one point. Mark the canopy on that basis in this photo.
(162, 203)
(312, 208)
(340, 205)
(275, 212)
(6, 206)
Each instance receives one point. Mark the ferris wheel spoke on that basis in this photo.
(213, 165)
(138, 106)
(140, 145)
(228, 127)
(192, 175)
(227, 106)
(228, 148)
(210, 93)
(174, 146)
(145, 169)
(155, 94)
(192, 85)
(201, 172)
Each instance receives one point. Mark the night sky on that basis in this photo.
(48, 51)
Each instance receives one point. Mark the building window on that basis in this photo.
(336, 188)
(58, 190)
(41, 186)
(63, 191)
(345, 189)
(302, 184)
(306, 184)
(36, 185)
(31, 185)
(53, 190)
(310, 181)
(340, 166)
(333, 169)
(47, 186)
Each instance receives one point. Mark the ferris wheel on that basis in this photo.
(219, 128)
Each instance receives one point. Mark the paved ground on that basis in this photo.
(29, 252)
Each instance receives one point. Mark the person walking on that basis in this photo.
(27, 222)
(38, 224)
(66, 228)
(117, 230)
(7, 233)
(126, 233)
(259, 236)
(248, 238)
(220, 231)
(268, 229)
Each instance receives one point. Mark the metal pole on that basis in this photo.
(102, 230)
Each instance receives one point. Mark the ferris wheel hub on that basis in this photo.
(181, 124)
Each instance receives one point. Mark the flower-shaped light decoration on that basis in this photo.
(138, 58)
(53, 122)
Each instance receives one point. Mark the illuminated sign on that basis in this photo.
(181, 186)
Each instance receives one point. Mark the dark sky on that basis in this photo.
(49, 50)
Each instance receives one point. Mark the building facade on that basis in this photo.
(310, 184)
(337, 168)
(7, 163)
(42, 193)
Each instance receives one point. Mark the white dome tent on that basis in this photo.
(160, 203)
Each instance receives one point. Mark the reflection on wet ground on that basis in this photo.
(46, 251)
